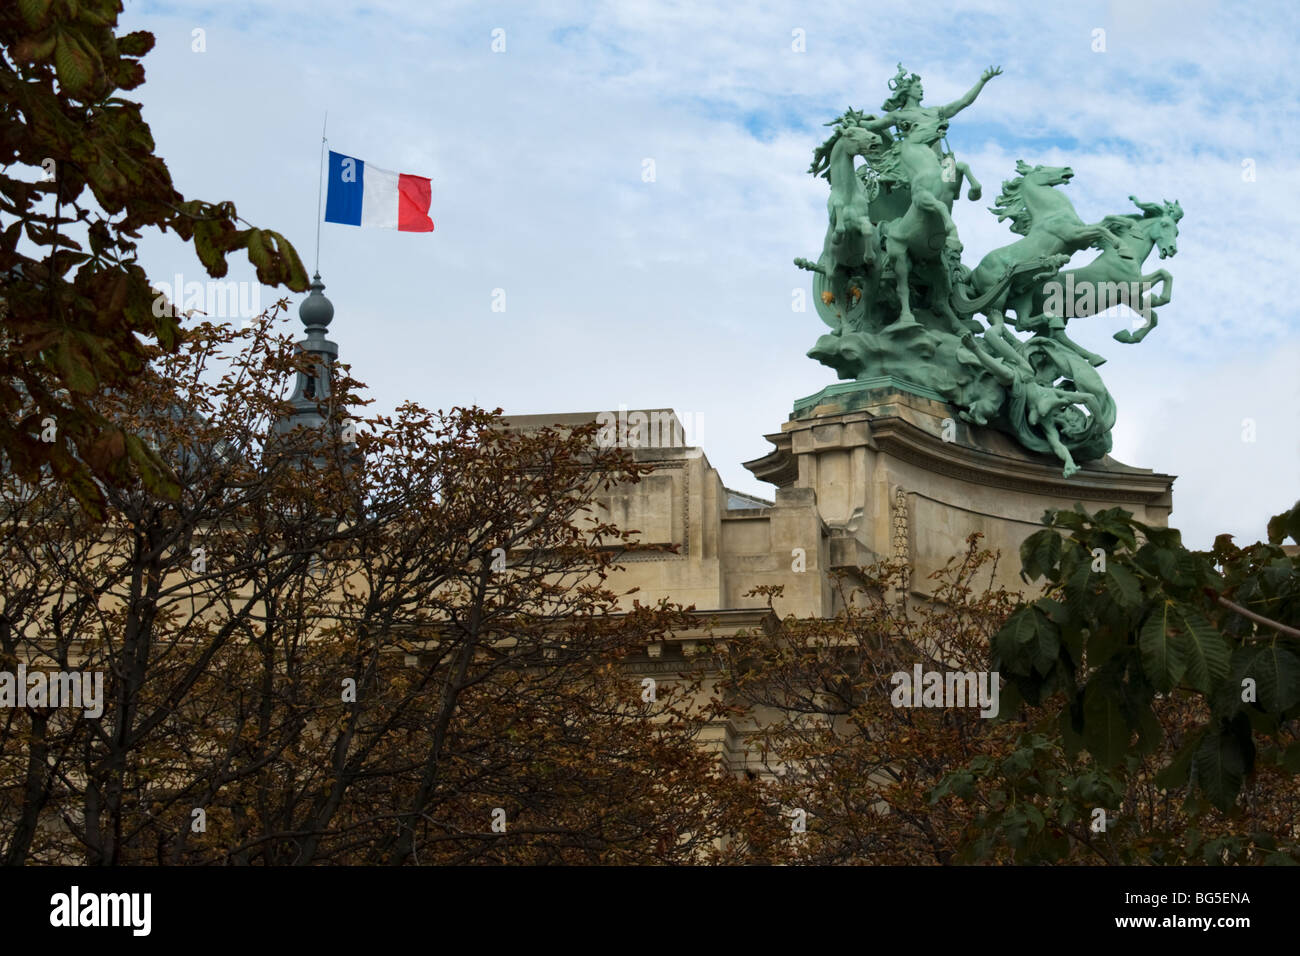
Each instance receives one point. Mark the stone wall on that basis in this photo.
(862, 472)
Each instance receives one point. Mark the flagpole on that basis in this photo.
(320, 179)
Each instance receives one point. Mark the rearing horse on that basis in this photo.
(849, 248)
(1121, 267)
(1007, 278)
(925, 232)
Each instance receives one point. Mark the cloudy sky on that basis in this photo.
(678, 292)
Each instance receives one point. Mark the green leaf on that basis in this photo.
(293, 273)
(1079, 593)
(137, 43)
(1220, 768)
(78, 375)
(1118, 522)
(1071, 739)
(260, 256)
(1039, 554)
(1150, 734)
(1163, 660)
(1124, 588)
(1205, 651)
(1277, 675)
(1028, 641)
(33, 49)
(1166, 564)
(208, 246)
(1164, 538)
(1055, 610)
(1104, 642)
(1287, 524)
(1105, 731)
(34, 11)
(1074, 520)
(74, 64)
(1046, 646)
(1193, 570)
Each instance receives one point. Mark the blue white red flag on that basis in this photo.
(365, 195)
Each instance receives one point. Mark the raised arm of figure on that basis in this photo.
(956, 106)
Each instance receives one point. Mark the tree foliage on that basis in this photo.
(827, 738)
(1131, 614)
(402, 652)
(406, 649)
(1172, 669)
(78, 311)
(1124, 734)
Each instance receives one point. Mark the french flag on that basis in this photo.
(362, 195)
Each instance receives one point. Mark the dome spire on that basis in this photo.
(316, 311)
(312, 388)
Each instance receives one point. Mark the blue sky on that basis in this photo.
(677, 293)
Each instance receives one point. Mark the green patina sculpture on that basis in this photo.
(891, 285)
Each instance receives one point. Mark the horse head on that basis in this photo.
(860, 139)
(1160, 221)
(1044, 175)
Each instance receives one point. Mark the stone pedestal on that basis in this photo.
(894, 472)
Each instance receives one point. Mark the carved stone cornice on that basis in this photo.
(1107, 480)
(780, 467)
(981, 455)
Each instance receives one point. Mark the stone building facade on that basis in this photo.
(861, 472)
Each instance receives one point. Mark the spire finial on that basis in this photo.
(316, 311)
